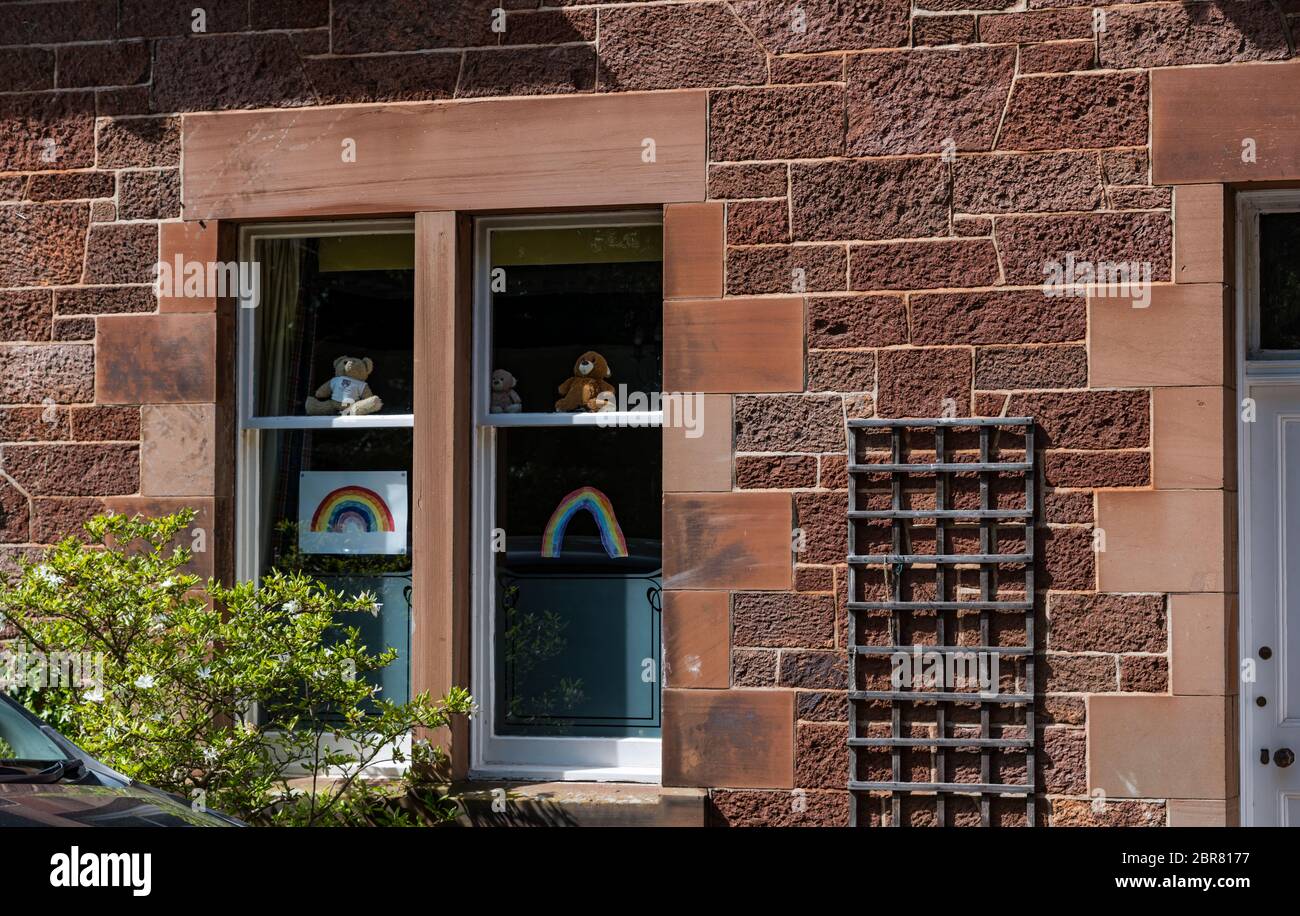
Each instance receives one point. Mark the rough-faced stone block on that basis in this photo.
(47, 131)
(760, 179)
(1019, 316)
(120, 63)
(1106, 623)
(361, 26)
(786, 269)
(856, 321)
(869, 199)
(841, 370)
(104, 300)
(25, 314)
(1036, 26)
(139, 142)
(794, 123)
(1030, 245)
(26, 69)
(1058, 57)
(779, 619)
(70, 185)
(924, 382)
(73, 470)
(924, 265)
(917, 101)
(775, 472)
(121, 253)
(528, 71)
(152, 194)
(44, 243)
(827, 25)
(1192, 33)
(384, 77)
(1087, 419)
(216, 72)
(15, 515)
(675, 47)
(1081, 110)
(789, 423)
(1031, 367)
(36, 373)
(758, 222)
(1098, 469)
(1026, 183)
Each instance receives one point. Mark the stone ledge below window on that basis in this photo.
(581, 804)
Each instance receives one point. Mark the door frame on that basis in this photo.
(1251, 374)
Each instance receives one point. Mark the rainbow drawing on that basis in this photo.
(352, 508)
(598, 504)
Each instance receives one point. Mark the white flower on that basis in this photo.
(290, 607)
(48, 576)
(375, 608)
(166, 583)
(204, 673)
(94, 695)
(145, 681)
(210, 754)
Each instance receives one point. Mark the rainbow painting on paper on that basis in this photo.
(352, 508)
(356, 512)
(601, 509)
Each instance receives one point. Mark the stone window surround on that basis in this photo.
(444, 161)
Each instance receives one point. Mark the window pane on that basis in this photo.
(577, 587)
(288, 455)
(330, 296)
(1279, 281)
(567, 291)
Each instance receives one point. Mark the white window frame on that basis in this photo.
(1250, 206)
(1253, 370)
(579, 758)
(248, 482)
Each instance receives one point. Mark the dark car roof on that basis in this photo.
(102, 798)
(72, 805)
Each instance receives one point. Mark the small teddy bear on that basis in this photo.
(504, 397)
(587, 389)
(347, 394)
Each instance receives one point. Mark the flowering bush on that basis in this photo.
(250, 699)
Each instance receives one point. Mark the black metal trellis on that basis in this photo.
(963, 452)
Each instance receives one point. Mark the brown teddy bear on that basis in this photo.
(347, 394)
(587, 389)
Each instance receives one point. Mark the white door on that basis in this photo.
(1271, 625)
